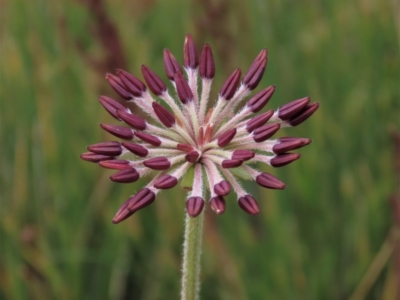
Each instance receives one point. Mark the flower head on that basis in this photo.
(219, 144)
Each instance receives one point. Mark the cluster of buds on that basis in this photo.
(215, 144)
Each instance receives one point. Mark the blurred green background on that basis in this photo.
(331, 234)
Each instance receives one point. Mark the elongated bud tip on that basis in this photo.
(190, 56)
(231, 163)
(258, 102)
(166, 182)
(125, 176)
(281, 160)
(171, 65)
(222, 188)
(230, 86)
(182, 87)
(132, 120)
(291, 109)
(307, 112)
(256, 70)
(159, 163)
(192, 156)
(164, 115)
(207, 65)
(136, 149)
(111, 106)
(258, 121)
(249, 205)
(194, 206)
(132, 84)
(226, 138)
(115, 164)
(118, 86)
(218, 204)
(269, 181)
(263, 133)
(106, 148)
(243, 154)
(118, 131)
(155, 84)
(95, 157)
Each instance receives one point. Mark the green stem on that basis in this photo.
(191, 257)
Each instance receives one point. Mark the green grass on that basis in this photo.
(315, 240)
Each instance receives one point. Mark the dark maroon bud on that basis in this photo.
(118, 86)
(131, 83)
(255, 74)
(132, 120)
(166, 182)
(148, 138)
(227, 137)
(304, 114)
(94, 157)
(164, 115)
(192, 156)
(263, 133)
(136, 149)
(281, 160)
(283, 147)
(125, 176)
(218, 204)
(158, 163)
(185, 147)
(190, 57)
(115, 164)
(230, 85)
(111, 106)
(171, 65)
(143, 198)
(123, 212)
(243, 154)
(222, 188)
(231, 163)
(182, 87)
(291, 109)
(258, 102)
(155, 84)
(106, 148)
(118, 131)
(249, 205)
(258, 121)
(207, 65)
(194, 206)
(271, 182)
(305, 141)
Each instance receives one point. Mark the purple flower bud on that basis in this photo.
(164, 115)
(242, 154)
(148, 138)
(281, 160)
(192, 156)
(249, 205)
(125, 176)
(304, 114)
(171, 65)
(230, 86)
(190, 57)
(106, 148)
(268, 181)
(258, 121)
(218, 204)
(137, 149)
(131, 83)
(256, 70)
(118, 86)
(207, 65)
(194, 206)
(166, 182)
(283, 147)
(222, 188)
(182, 87)
(258, 102)
(111, 106)
(142, 199)
(118, 131)
(94, 157)
(159, 163)
(305, 141)
(263, 133)
(185, 147)
(231, 163)
(115, 164)
(291, 109)
(227, 137)
(132, 120)
(155, 84)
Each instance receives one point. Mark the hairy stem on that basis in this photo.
(191, 257)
